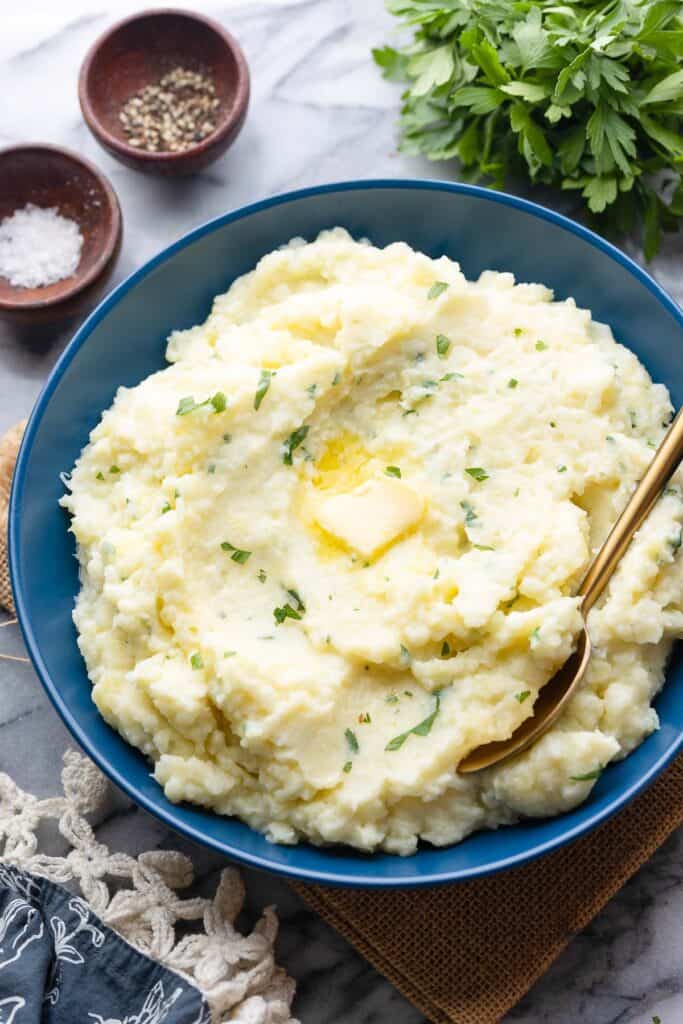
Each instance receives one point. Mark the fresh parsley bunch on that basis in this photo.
(583, 95)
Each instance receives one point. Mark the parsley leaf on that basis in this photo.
(285, 612)
(585, 96)
(348, 765)
(238, 554)
(262, 387)
(393, 471)
(300, 606)
(197, 661)
(595, 774)
(470, 515)
(351, 740)
(477, 473)
(438, 288)
(422, 728)
(522, 696)
(296, 438)
(442, 345)
(187, 405)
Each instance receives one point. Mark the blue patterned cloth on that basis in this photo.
(60, 965)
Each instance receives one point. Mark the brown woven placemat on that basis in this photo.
(465, 954)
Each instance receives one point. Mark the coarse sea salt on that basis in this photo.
(38, 247)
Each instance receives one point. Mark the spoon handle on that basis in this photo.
(658, 473)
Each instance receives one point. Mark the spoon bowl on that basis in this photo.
(551, 702)
(556, 693)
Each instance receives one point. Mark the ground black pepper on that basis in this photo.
(173, 114)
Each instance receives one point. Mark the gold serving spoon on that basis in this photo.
(556, 693)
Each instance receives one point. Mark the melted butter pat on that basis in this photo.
(372, 516)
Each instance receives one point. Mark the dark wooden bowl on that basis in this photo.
(49, 176)
(138, 51)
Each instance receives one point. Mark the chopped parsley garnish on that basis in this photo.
(518, 332)
(541, 346)
(336, 379)
(300, 606)
(445, 649)
(595, 774)
(211, 468)
(535, 636)
(197, 661)
(442, 345)
(187, 405)
(423, 728)
(451, 376)
(483, 547)
(436, 574)
(114, 469)
(470, 514)
(348, 765)
(311, 390)
(261, 576)
(296, 438)
(364, 718)
(262, 387)
(238, 554)
(553, 424)
(99, 476)
(165, 508)
(675, 542)
(522, 696)
(227, 438)
(515, 493)
(393, 471)
(562, 469)
(406, 656)
(285, 612)
(513, 382)
(351, 740)
(391, 698)
(477, 473)
(438, 288)
(429, 385)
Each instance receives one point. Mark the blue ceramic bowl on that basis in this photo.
(124, 340)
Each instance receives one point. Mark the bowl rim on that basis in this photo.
(231, 119)
(112, 239)
(331, 877)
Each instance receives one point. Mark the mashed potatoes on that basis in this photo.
(333, 547)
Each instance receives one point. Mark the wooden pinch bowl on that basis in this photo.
(140, 50)
(49, 176)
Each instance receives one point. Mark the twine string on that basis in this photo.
(12, 657)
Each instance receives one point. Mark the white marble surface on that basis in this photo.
(319, 112)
